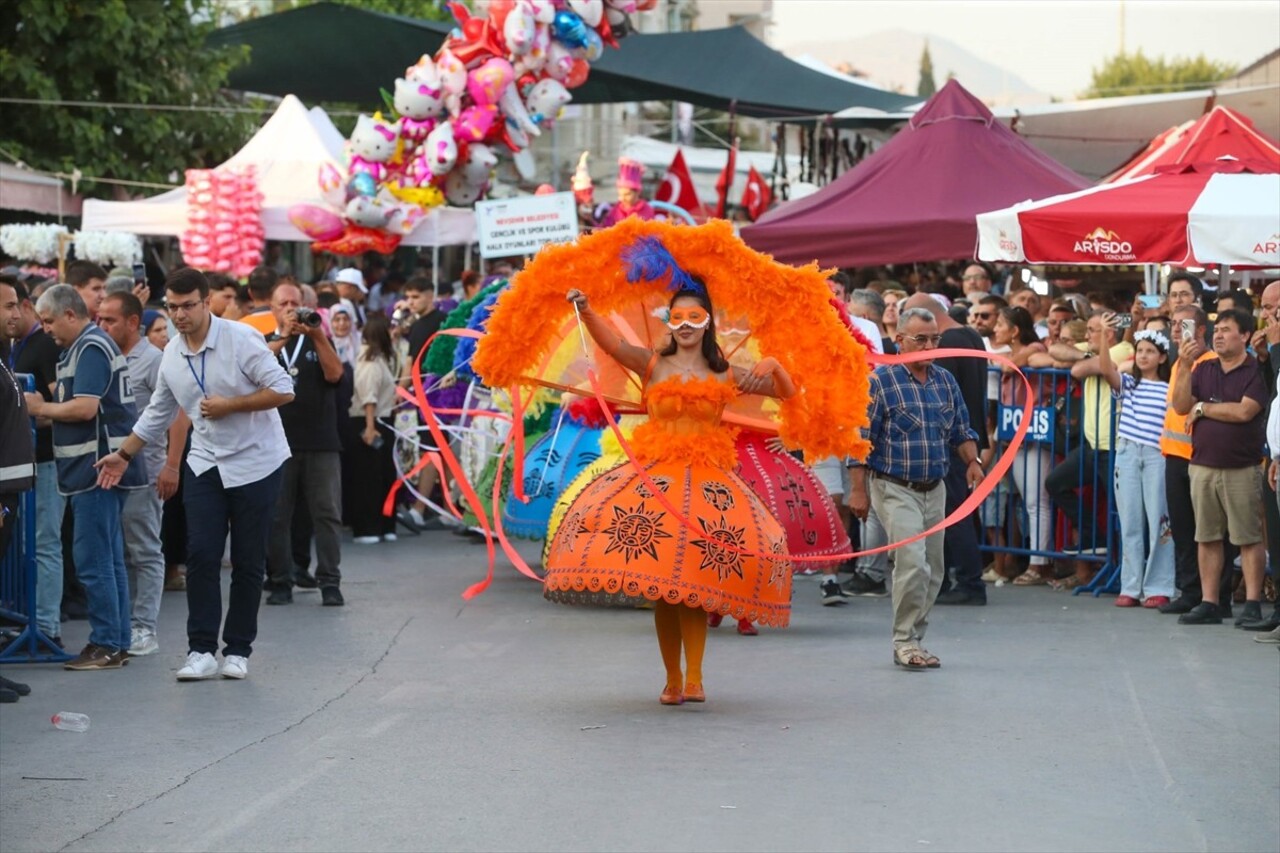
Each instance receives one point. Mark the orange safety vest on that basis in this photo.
(1175, 440)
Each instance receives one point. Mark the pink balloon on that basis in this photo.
(475, 122)
(316, 222)
(486, 83)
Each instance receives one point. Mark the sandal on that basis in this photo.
(910, 659)
(1031, 577)
(1067, 584)
(930, 659)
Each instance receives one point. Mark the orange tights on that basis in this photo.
(680, 625)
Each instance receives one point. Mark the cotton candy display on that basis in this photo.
(108, 248)
(224, 220)
(37, 243)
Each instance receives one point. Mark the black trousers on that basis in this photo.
(372, 472)
(960, 540)
(1081, 467)
(213, 510)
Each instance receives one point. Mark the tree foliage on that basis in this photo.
(116, 52)
(1135, 74)
(431, 10)
(927, 86)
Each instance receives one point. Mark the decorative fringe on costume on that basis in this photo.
(788, 309)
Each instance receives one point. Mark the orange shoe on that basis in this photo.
(671, 696)
(694, 693)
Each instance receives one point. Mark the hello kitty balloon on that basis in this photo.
(441, 149)
(546, 98)
(373, 143)
(453, 76)
(459, 191)
(518, 29)
(369, 212)
(513, 108)
(479, 163)
(418, 105)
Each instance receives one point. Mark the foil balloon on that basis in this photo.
(332, 187)
(361, 184)
(475, 122)
(544, 11)
(453, 76)
(569, 29)
(486, 84)
(592, 47)
(461, 192)
(559, 61)
(577, 74)
(368, 212)
(479, 163)
(418, 103)
(498, 11)
(514, 109)
(316, 222)
(519, 29)
(546, 98)
(590, 11)
(441, 149)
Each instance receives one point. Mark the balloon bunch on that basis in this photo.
(224, 216)
(498, 81)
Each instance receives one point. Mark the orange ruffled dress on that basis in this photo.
(617, 541)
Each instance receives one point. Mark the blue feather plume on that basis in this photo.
(648, 260)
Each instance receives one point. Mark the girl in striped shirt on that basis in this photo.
(1146, 576)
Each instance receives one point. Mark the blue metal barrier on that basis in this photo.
(18, 582)
(1022, 510)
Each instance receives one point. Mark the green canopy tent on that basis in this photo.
(332, 52)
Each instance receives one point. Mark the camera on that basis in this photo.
(401, 316)
(308, 317)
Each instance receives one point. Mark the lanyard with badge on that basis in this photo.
(290, 361)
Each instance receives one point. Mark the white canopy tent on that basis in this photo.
(288, 152)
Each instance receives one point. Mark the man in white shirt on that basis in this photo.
(229, 383)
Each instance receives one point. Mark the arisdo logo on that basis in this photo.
(1105, 244)
(1268, 246)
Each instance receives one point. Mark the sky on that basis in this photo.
(1052, 44)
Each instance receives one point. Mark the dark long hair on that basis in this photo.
(1020, 319)
(377, 338)
(710, 346)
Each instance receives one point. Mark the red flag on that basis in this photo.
(725, 182)
(756, 198)
(677, 186)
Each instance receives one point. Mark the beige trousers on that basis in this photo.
(918, 568)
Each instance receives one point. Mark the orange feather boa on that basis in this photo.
(788, 308)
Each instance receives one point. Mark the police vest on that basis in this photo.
(17, 443)
(77, 445)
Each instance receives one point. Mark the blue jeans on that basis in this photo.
(212, 509)
(1140, 503)
(49, 508)
(98, 551)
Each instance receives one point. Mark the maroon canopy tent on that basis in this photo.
(917, 198)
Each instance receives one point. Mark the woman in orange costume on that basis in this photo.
(680, 528)
(613, 535)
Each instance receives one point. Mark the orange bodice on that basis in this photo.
(684, 423)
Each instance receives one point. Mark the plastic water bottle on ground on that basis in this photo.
(69, 721)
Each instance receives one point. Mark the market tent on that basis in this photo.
(288, 151)
(1222, 212)
(1221, 132)
(36, 192)
(1095, 137)
(915, 198)
(331, 52)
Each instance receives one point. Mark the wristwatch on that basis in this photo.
(1199, 410)
(125, 455)
(977, 462)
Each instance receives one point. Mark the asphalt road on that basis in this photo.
(411, 720)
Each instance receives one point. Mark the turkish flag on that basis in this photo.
(756, 198)
(677, 186)
(725, 182)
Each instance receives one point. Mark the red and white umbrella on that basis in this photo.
(1224, 212)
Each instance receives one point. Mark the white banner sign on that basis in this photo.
(521, 226)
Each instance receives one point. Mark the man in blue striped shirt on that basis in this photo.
(917, 416)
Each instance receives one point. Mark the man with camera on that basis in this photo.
(313, 472)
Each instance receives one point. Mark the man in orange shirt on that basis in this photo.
(262, 281)
(1175, 444)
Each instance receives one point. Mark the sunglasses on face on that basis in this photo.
(694, 318)
(982, 315)
(922, 340)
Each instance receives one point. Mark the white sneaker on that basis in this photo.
(416, 516)
(234, 666)
(199, 666)
(142, 642)
(388, 537)
(367, 540)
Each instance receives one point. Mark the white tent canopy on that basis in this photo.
(288, 152)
